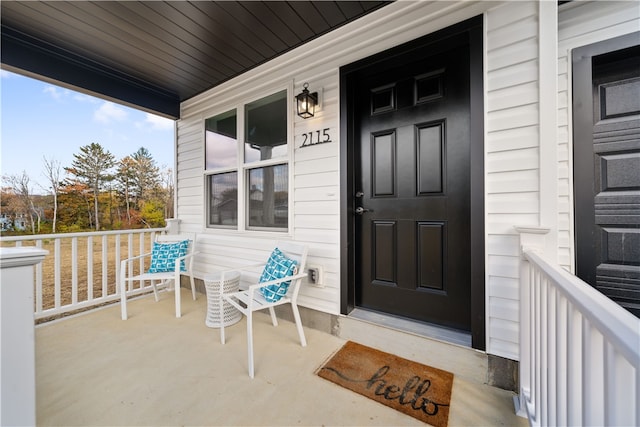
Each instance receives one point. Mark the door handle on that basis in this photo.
(360, 210)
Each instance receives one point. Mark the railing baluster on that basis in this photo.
(57, 283)
(141, 260)
(544, 353)
(105, 266)
(74, 270)
(593, 352)
(635, 395)
(130, 254)
(538, 355)
(610, 395)
(532, 337)
(89, 268)
(38, 307)
(117, 260)
(561, 360)
(551, 356)
(574, 371)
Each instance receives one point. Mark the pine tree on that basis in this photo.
(93, 167)
(146, 175)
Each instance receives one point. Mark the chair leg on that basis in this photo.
(176, 285)
(155, 290)
(250, 342)
(296, 316)
(274, 319)
(123, 298)
(193, 287)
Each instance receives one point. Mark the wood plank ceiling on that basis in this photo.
(155, 54)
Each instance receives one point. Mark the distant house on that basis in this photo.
(18, 222)
(5, 222)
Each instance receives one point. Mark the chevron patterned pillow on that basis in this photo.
(278, 266)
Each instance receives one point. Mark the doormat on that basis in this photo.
(409, 387)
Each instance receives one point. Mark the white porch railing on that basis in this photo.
(81, 269)
(579, 351)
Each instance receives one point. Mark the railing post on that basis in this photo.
(531, 238)
(17, 359)
(173, 225)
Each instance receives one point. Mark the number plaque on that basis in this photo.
(316, 137)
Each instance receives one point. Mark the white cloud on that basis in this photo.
(6, 74)
(154, 122)
(56, 92)
(81, 97)
(109, 112)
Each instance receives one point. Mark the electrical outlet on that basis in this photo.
(315, 275)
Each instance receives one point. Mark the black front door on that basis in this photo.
(412, 183)
(607, 172)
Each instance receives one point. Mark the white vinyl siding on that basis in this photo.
(189, 188)
(512, 161)
(580, 24)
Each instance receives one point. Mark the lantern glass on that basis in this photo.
(306, 103)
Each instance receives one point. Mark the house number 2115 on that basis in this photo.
(316, 137)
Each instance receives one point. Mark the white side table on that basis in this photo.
(230, 315)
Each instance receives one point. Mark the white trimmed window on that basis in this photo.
(247, 166)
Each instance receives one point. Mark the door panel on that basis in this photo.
(431, 257)
(430, 150)
(413, 171)
(608, 231)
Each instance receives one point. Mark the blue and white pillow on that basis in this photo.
(163, 256)
(278, 266)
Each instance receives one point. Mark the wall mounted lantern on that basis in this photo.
(306, 102)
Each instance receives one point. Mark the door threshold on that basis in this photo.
(412, 326)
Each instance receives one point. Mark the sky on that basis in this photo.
(39, 120)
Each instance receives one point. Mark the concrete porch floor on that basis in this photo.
(155, 369)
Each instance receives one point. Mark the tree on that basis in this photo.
(152, 214)
(74, 212)
(146, 175)
(92, 167)
(52, 171)
(125, 178)
(166, 181)
(139, 182)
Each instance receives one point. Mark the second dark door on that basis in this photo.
(607, 173)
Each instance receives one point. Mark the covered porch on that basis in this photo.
(155, 369)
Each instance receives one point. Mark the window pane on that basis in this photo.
(221, 146)
(223, 199)
(269, 196)
(266, 128)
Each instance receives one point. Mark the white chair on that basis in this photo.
(166, 278)
(250, 300)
